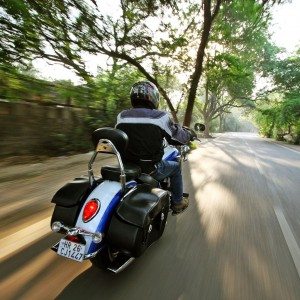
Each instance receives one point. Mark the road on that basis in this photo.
(239, 239)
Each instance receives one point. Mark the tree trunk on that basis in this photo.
(195, 78)
(221, 125)
(207, 125)
(68, 101)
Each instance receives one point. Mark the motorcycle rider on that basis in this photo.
(146, 128)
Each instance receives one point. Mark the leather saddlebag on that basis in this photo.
(69, 200)
(139, 219)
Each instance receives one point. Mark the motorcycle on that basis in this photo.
(113, 218)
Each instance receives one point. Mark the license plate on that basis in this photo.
(71, 250)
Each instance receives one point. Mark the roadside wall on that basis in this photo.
(28, 128)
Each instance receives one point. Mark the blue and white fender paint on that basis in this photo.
(109, 194)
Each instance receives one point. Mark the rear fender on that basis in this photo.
(109, 193)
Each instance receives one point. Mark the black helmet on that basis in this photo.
(144, 94)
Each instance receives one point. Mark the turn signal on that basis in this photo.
(56, 226)
(90, 210)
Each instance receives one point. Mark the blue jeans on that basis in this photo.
(170, 169)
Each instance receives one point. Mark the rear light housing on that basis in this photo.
(79, 239)
(90, 210)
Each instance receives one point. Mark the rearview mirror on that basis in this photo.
(199, 127)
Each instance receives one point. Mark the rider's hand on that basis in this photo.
(193, 134)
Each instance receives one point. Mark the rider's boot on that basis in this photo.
(180, 207)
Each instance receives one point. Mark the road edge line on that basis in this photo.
(289, 237)
(282, 146)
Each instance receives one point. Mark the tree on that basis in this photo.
(18, 84)
(286, 74)
(280, 115)
(64, 31)
(210, 13)
(233, 57)
(229, 83)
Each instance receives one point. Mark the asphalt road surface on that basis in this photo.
(239, 238)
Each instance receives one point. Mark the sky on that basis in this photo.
(286, 25)
(285, 30)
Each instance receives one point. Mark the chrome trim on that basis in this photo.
(76, 231)
(91, 255)
(129, 192)
(100, 235)
(73, 231)
(125, 265)
(58, 224)
(99, 206)
(90, 168)
(114, 151)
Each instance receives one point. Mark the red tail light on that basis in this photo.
(73, 238)
(90, 210)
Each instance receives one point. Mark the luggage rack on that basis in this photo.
(106, 146)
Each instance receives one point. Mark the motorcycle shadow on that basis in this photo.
(175, 267)
(147, 277)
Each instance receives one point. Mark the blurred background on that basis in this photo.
(66, 68)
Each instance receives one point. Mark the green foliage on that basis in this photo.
(265, 118)
(103, 98)
(111, 94)
(278, 119)
(238, 38)
(287, 74)
(73, 141)
(16, 84)
(66, 31)
(112, 88)
(274, 117)
(65, 92)
(109, 91)
(231, 73)
(23, 85)
(290, 112)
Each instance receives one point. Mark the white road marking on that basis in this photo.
(285, 147)
(284, 226)
(289, 237)
(21, 238)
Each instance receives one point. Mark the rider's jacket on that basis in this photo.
(146, 129)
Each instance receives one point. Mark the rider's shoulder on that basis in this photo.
(158, 113)
(144, 113)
